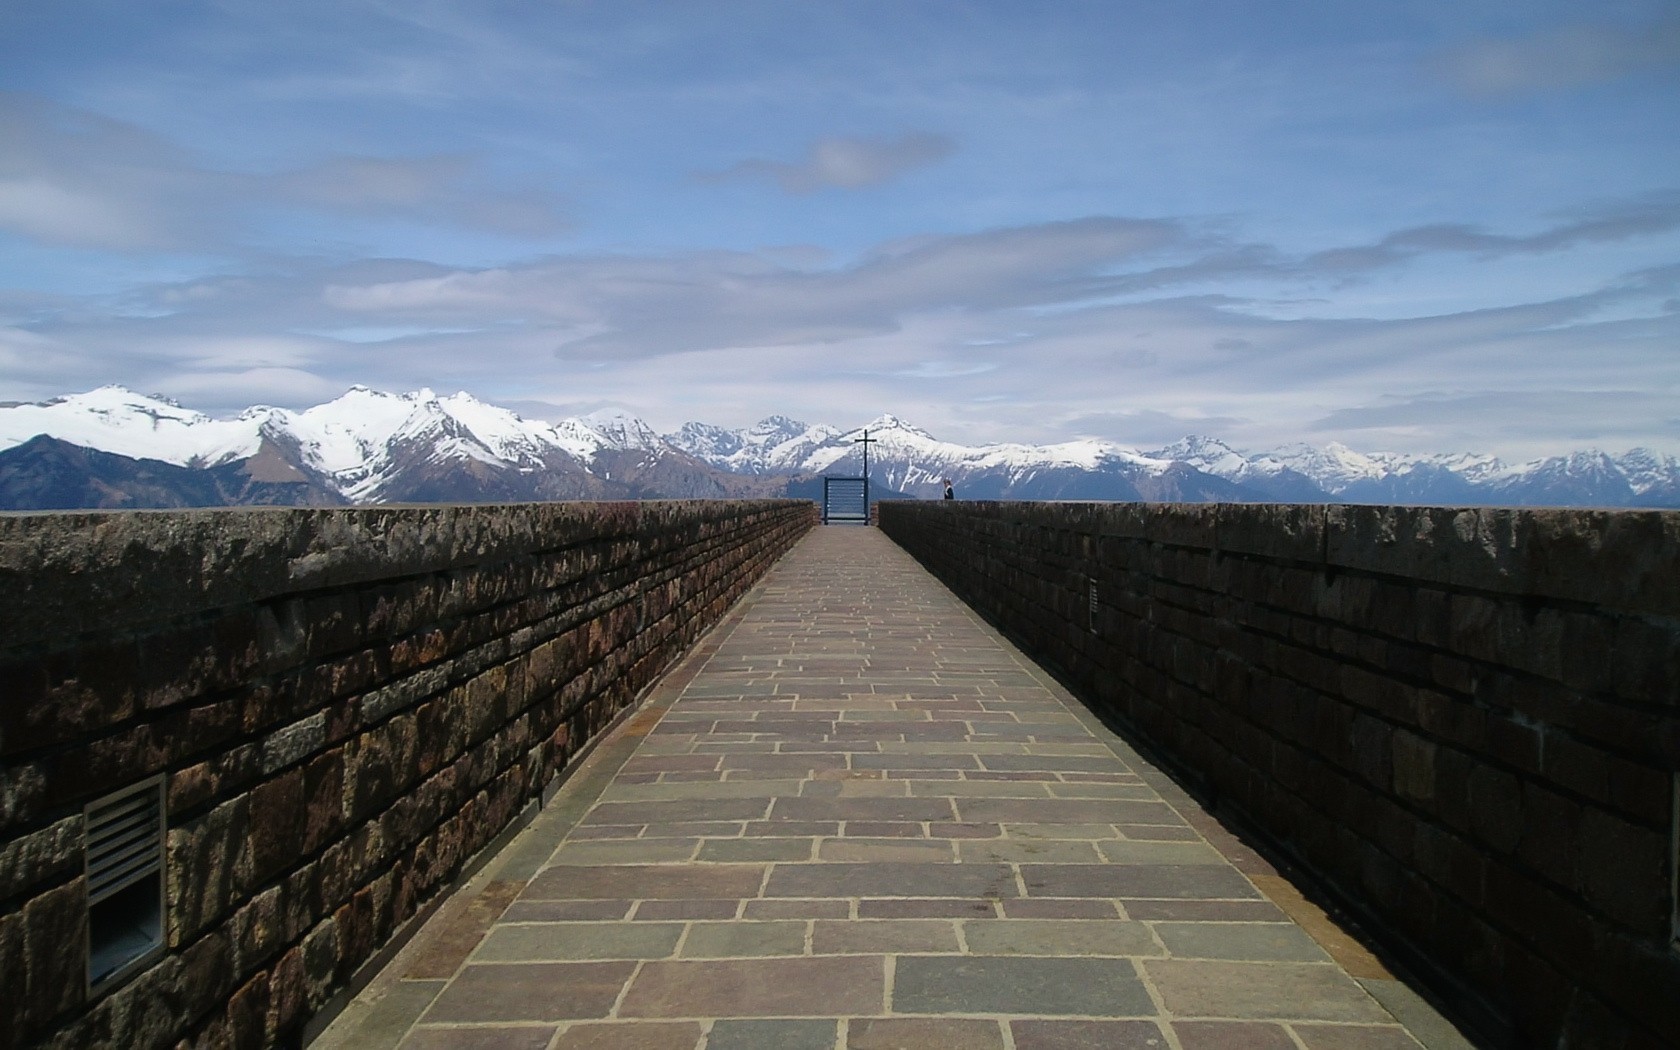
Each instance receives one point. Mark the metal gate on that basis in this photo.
(846, 499)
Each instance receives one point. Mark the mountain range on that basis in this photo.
(113, 448)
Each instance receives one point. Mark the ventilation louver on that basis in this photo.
(125, 851)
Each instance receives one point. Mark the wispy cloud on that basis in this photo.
(1648, 214)
(651, 305)
(1153, 427)
(1012, 329)
(1609, 417)
(1566, 57)
(844, 163)
(74, 178)
(1030, 222)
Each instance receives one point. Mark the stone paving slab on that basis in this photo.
(855, 817)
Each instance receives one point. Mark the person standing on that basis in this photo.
(949, 492)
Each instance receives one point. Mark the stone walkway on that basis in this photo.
(856, 817)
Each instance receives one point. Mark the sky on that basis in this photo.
(1405, 225)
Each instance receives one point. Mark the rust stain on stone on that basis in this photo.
(643, 723)
(1341, 946)
(445, 952)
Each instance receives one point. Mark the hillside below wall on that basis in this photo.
(346, 704)
(1464, 723)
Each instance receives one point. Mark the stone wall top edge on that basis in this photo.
(1627, 560)
(66, 574)
(369, 508)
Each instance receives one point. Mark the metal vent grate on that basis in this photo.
(1091, 604)
(123, 842)
(125, 851)
(845, 499)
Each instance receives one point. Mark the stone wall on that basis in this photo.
(347, 706)
(1463, 723)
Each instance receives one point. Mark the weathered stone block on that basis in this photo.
(279, 820)
(1645, 659)
(1624, 872)
(23, 793)
(107, 763)
(1496, 817)
(206, 976)
(1452, 863)
(1414, 767)
(379, 764)
(282, 635)
(38, 856)
(295, 742)
(1532, 912)
(244, 1021)
(55, 959)
(1576, 765)
(14, 970)
(1272, 530)
(288, 994)
(209, 866)
(257, 931)
(1551, 836)
(55, 704)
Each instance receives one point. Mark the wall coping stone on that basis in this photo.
(64, 575)
(1571, 554)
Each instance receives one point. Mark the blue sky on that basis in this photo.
(1416, 226)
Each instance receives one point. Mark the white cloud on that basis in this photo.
(67, 214)
(1567, 57)
(1039, 332)
(235, 387)
(1606, 417)
(69, 177)
(616, 306)
(252, 352)
(836, 162)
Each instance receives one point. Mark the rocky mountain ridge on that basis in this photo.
(111, 447)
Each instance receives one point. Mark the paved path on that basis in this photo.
(858, 818)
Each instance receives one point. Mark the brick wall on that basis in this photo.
(1464, 723)
(347, 705)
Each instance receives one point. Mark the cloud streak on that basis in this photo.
(840, 163)
(1029, 223)
(1647, 215)
(1560, 58)
(72, 178)
(1021, 329)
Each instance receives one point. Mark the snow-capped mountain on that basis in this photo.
(365, 446)
(1196, 468)
(113, 447)
(775, 444)
(906, 459)
(113, 419)
(1590, 478)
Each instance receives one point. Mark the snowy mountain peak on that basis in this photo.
(373, 445)
(890, 423)
(705, 440)
(116, 419)
(1205, 453)
(114, 401)
(1647, 470)
(779, 427)
(623, 431)
(1334, 463)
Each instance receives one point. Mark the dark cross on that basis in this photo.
(865, 441)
